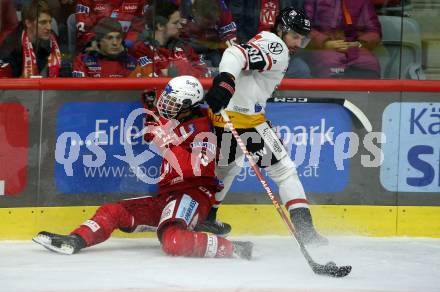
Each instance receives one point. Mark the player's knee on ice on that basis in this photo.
(177, 241)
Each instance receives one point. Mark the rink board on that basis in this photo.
(23, 223)
(45, 179)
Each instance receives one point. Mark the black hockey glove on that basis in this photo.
(221, 92)
(149, 101)
(148, 98)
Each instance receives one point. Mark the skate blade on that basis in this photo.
(47, 243)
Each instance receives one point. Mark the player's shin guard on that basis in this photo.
(178, 241)
(106, 219)
(293, 196)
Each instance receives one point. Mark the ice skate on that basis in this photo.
(304, 229)
(242, 249)
(215, 227)
(64, 244)
(211, 225)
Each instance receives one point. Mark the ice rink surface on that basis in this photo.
(379, 264)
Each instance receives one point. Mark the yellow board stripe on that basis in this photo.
(23, 223)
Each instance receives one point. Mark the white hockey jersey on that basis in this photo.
(258, 67)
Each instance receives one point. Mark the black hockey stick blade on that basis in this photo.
(331, 269)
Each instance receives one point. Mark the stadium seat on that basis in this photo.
(400, 56)
(393, 7)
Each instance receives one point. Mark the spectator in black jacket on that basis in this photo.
(32, 49)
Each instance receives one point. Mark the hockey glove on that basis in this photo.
(221, 92)
(149, 98)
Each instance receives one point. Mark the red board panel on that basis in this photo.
(14, 131)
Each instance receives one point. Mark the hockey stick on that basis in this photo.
(329, 269)
(341, 101)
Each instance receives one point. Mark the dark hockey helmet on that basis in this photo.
(293, 19)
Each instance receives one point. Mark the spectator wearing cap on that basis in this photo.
(110, 58)
(32, 49)
(160, 41)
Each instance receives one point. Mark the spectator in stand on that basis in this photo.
(160, 42)
(254, 16)
(110, 59)
(32, 49)
(208, 27)
(343, 35)
(89, 12)
(8, 19)
(61, 10)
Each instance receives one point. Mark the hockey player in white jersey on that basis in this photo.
(249, 73)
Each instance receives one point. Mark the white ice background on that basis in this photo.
(379, 264)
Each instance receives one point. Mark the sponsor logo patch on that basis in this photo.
(187, 209)
(144, 61)
(82, 9)
(275, 48)
(168, 211)
(92, 225)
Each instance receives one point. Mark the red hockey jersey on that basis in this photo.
(189, 160)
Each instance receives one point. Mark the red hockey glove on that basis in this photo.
(221, 92)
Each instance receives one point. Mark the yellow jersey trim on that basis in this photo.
(240, 121)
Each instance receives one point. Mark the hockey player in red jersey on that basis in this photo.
(184, 136)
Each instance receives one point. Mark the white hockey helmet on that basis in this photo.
(180, 94)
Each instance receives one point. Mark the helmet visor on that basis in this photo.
(304, 40)
(168, 105)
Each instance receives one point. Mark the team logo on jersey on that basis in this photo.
(275, 48)
(258, 108)
(129, 7)
(100, 7)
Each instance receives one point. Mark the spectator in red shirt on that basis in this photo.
(111, 58)
(161, 42)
